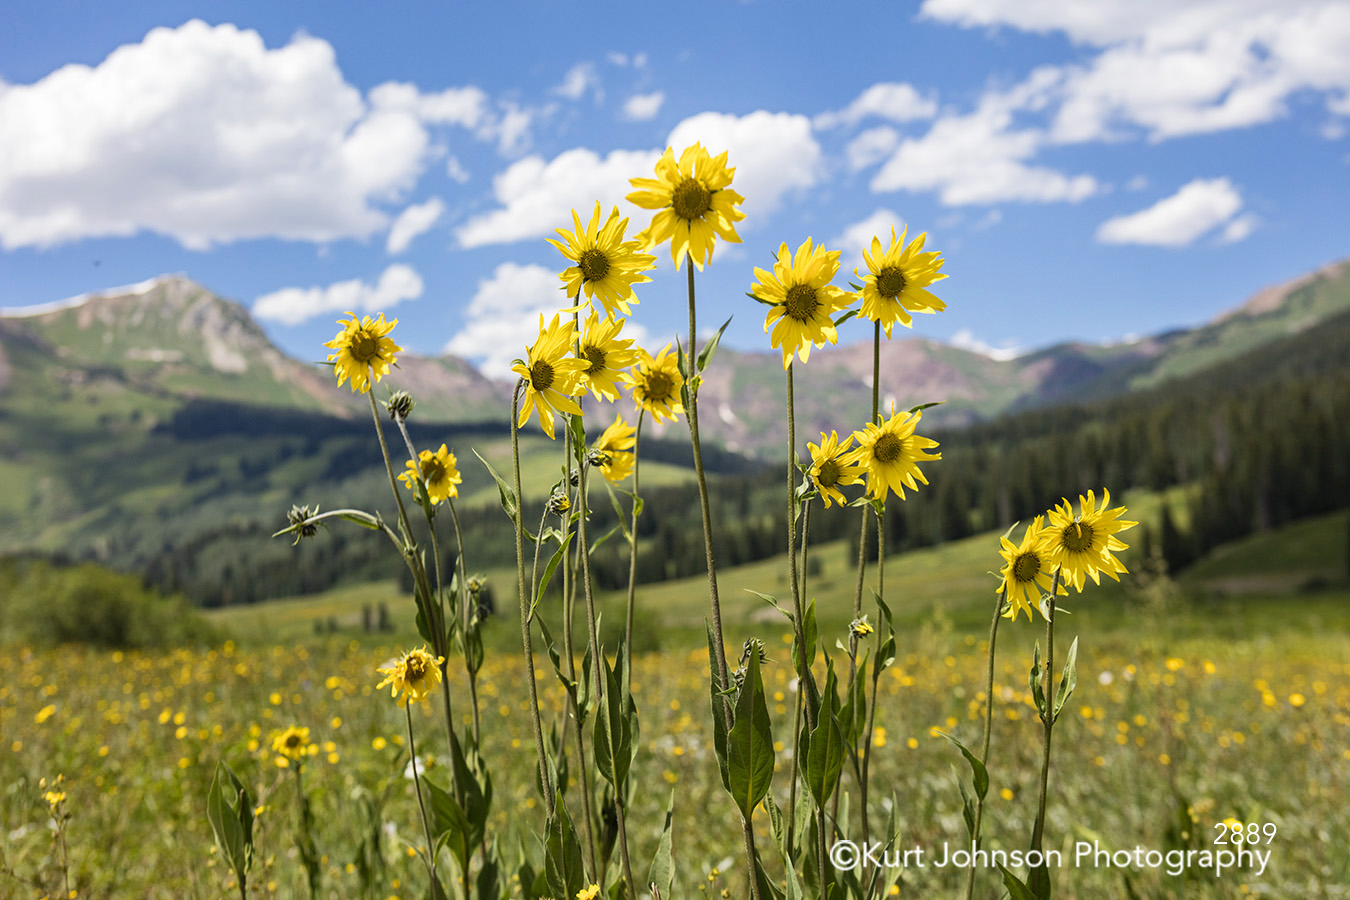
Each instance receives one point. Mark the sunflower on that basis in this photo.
(695, 201)
(1026, 571)
(895, 283)
(832, 466)
(438, 471)
(656, 384)
(363, 350)
(415, 675)
(605, 355)
(552, 377)
(890, 453)
(292, 745)
(616, 445)
(606, 265)
(1082, 545)
(803, 299)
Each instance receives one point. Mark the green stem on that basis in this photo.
(632, 549)
(691, 415)
(988, 731)
(876, 675)
(421, 804)
(527, 643)
(1038, 832)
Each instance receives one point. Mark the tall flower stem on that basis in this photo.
(421, 804)
(801, 689)
(988, 730)
(1048, 719)
(527, 643)
(632, 547)
(691, 415)
(876, 676)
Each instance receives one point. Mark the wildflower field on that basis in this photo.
(838, 721)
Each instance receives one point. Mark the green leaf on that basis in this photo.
(750, 743)
(967, 804)
(362, 519)
(760, 299)
(979, 775)
(508, 496)
(562, 855)
(613, 743)
(1034, 680)
(772, 601)
(576, 427)
(558, 556)
(488, 876)
(555, 657)
(1016, 889)
(718, 708)
(845, 317)
(662, 871)
(449, 824)
(825, 758)
(229, 809)
(923, 406)
(1069, 680)
(811, 636)
(706, 354)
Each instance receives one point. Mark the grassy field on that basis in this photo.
(1191, 697)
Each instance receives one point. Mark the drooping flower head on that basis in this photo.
(292, 745)
(804, 301)
(605, 265)
(695, 202)
(414, 675)
(890, 453)
(1083, 544)
(896, 281)
(657, 383)
(833, 466)
(616, 446)
(606, 356)
(1026, 571)
(552, 375)
(439, 472)
(364, 350)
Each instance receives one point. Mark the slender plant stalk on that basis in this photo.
(467, 614)
(876, 676)
(632, 549)
(421, 804)
(526, 641)
(691, 415)
(1038, 832)
(988, 730)
(797, 711)
(869, 702)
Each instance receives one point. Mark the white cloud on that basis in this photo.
(896, 102)
(1181, 68)
(579, 79)
(965, 339)
(293, 305)
(981, 157)
(241, 142)
(773, 153)
(539, 196)
(502, 318)
(466, 106)
(455, 170)
(413, 221)
(857, 237)
(1180, 219)
(1239, 229)
(871, 147)
(640, 107)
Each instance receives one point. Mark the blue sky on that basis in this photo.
(1089, 170)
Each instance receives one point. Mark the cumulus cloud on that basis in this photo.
(983, 157)
(579, 79)
(1181, 219)
(293, 305)
(857, 237)
(537, 196)
(871, 147)
(641, 107)
(413, 221)
(502, 318)
(466, 106)
(896, 102)
(241, 142)
(773, 153)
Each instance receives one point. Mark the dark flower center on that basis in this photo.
(801, 303)
(594, 265)
(658, 387)
(828, 476)
(891, 282)
(1026, 567)
(595, 356)
(364, 347)
(887, 448)
(541, 375)
(1077, 537)
(691, 199)
(416, 669)
(433, 470)
(292, 741)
